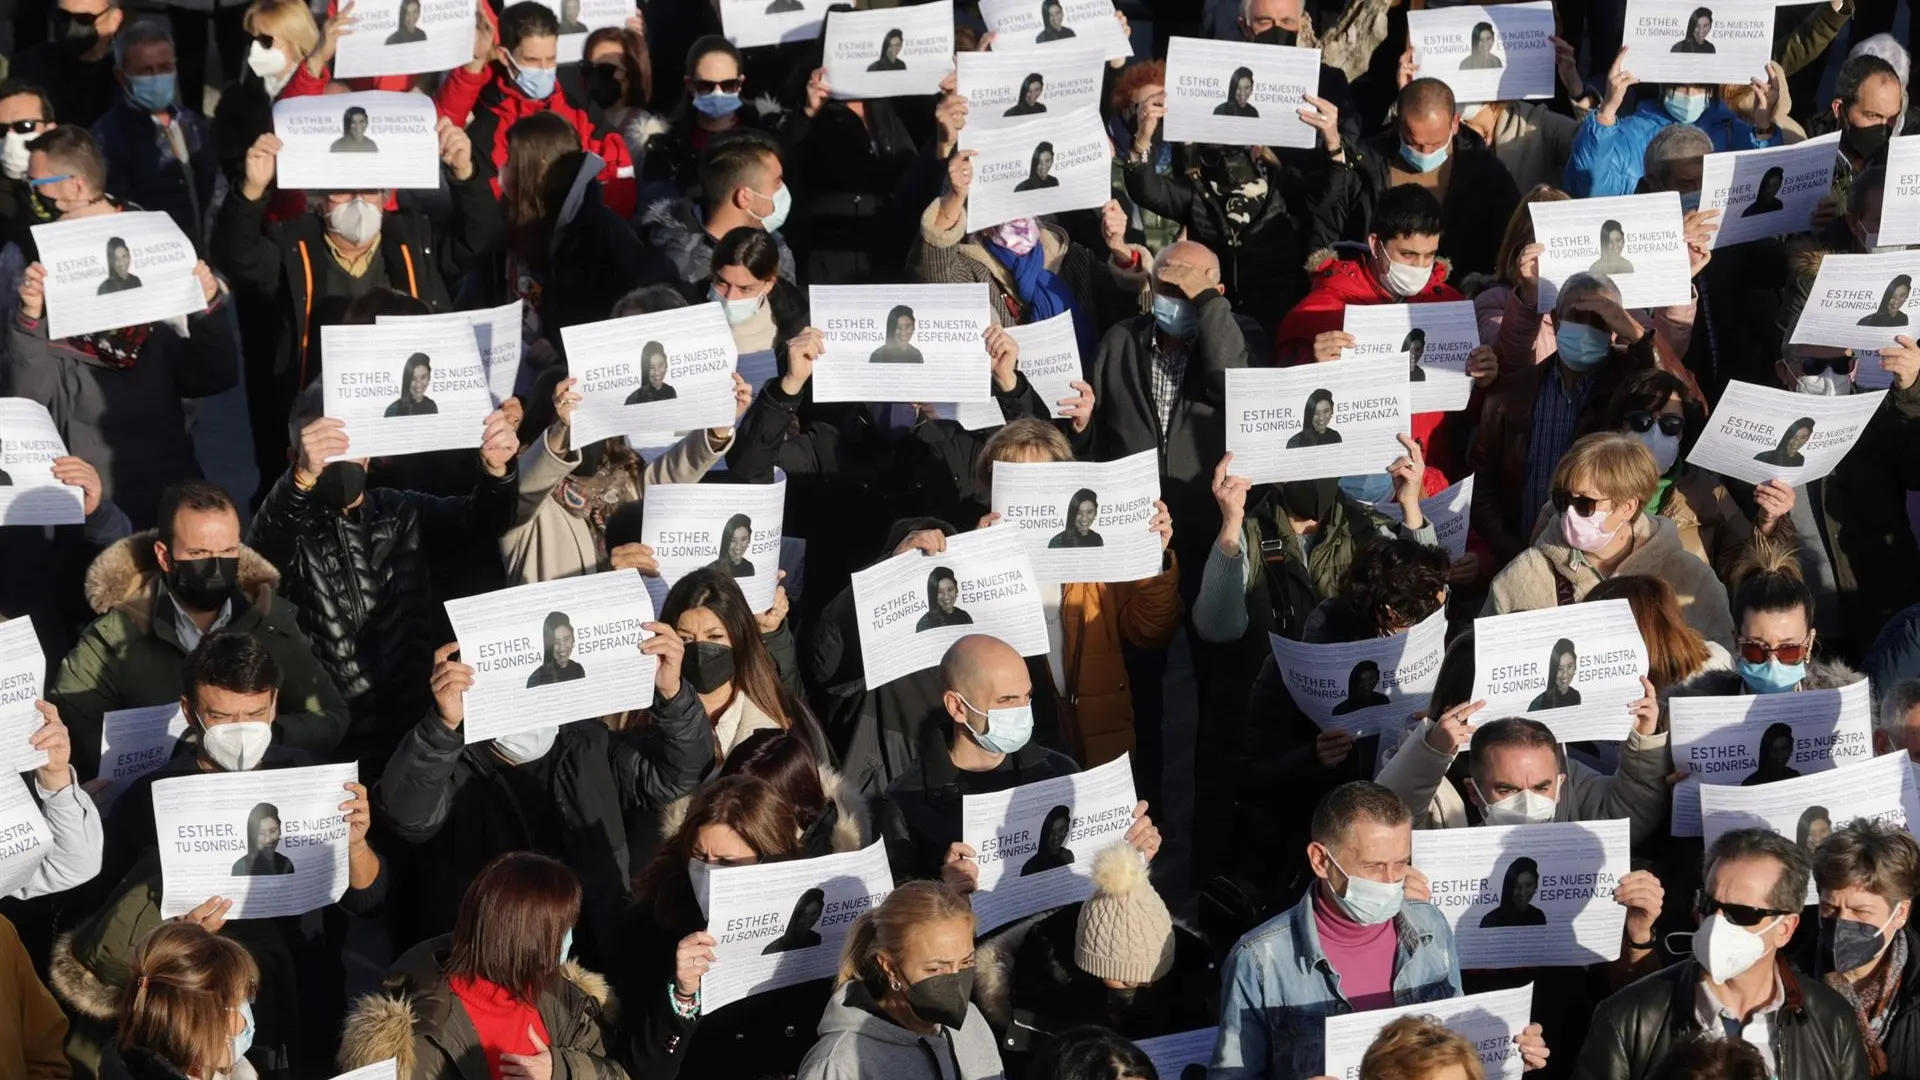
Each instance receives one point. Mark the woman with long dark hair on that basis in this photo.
(729, 664)
(1316, 422)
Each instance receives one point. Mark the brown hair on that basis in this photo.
(1354, 801)
(747, 805)
(784, 760)
(513, 919)
(1615, 464)
(1144, 73)
(535, 144)
(181, 984)
(1520, 230)
(1871, 854)
(754, 673)
(1414, 1048)
(288, 20)
(1026, 439)
(884, 929)
(1675, 650)
(1700, 1056)
(634, 57)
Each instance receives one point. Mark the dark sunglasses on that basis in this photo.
(1582, 505)
(725, 86)
(1642, 421)
(1756, 652)
(23, 127)
(1738, 914)
(1814, 365)
(83, 18)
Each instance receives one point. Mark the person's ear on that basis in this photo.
(160, 555)
(1788, 924)
(956, 709)
(1320, 860)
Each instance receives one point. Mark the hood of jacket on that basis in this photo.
(1342, 270)
(1711, 682)
(852, 827)
(126, 576)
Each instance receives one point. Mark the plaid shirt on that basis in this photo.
(1169, 376)
(1556, 413)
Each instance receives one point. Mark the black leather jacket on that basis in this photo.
(1633, 1030)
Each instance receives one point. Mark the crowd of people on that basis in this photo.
(534, 906)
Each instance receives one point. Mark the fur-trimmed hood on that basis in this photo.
(1347, 258)
(77, 987)
(126, 576)
(1821, 675)
(853, 816)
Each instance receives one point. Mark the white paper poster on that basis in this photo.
(1316, 420)
(1049, 358)
(1494, 53)
(1175, 1057)
(1434, 338)
(1083, 521)
(135, 742)
(405, 37)
(1035, 844)
(1769, 192)
(24, 837)
(1900, 200)
(1011, 88)
(404, 389)
(379, 1070)
(907, 343)
(554, 652)
(29, 492)
(1575, 669)
(496, 332)
(273, 841)
(1239, 93)
(1364, 686)
(1044, 166)
(913, 606)
(732, 528)
(1636, 241)
(1862, 302)
(1751, 739)
(1761, 433)
(1490, 1022)
(1529, 895)
(668, 371)
(1451, 513)
(1807, 808)
(23, 671)
(117, 270)
(1682, 41)
(782, 923)
(1056, 25)
(772, 22)
(579, 18)
(889, 52)
(363, 141)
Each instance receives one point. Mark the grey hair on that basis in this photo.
(142, 32)
(1886, 48)
(1789, 891)
(1900, 699)
(1675, 142)
(1583, 284)
(649, 300)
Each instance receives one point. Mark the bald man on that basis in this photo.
(985, 747)
(1427, 146)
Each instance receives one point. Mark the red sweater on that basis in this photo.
(500, 1019)
(487, 103)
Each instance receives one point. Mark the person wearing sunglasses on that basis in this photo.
(26, 113)
(1774, 613)
(712, 101)
(76, 66)
(1736, 985)
(1867, 873)
(1595, 527)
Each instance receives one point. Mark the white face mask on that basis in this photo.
(236, 747)
(14, 155)
(1665, 447)
(1369, 902)
(738, 311)
(1468, 113)
(1519, 808)
(1828, 383)
(1405, 279)
(266, 62)
(524, 746)
(1726, 950)
(357, 222)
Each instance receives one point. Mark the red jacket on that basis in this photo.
(494, 103)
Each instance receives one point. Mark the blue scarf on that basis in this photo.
(1042, 291)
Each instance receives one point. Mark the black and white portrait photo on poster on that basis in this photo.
(1806, 809)
(1767, 192)
(496, 333)
(902, 343)
(1364, 687)
(1436, 339)
(405, 37)
(404, 389)
(1863, 303)
(1633, 241)
(274, 842)
(1493, 52)
(1036, 844)
(1043, 166)
(749, 23)
(780, 923)
(1009, 89)
(578, 18)
(1490, 1022)
(1290, 423)
(912, 606)
(1538, 895)
(1055, 26)
(1686, 42)
(1751, 739)
(889, 52)
(1083, 521)
(1575, 669)
(369, 140)
(30, 493)
(671, 370)
(1761, 433)
(1240, 93)
(554, 652)
(733, 528)
(115, 271)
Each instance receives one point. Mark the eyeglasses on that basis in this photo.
(45, 180)
(725, 86)
(1642, 421)
(23, 127)
(1814, 365)
(1584, 505)
(1738, 914)
(1756, 652)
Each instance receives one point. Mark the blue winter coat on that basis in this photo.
(1607, 159)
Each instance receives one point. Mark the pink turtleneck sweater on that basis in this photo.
(1363, 955)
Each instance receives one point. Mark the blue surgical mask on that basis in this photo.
(1007, 729)
(243, 1042)
(1772, 677)
(782, 200)
(566, 945)
(1175, 315)
(1368, 488)
(1689, 201)
(1582, 346)
(1685, 108)
(153, 93)
(536, 83)
(1423, 162)
(716, 104)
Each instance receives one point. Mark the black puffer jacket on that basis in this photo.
(361, 581)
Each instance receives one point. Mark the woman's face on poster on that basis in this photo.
(1243, 90)
(1613, 241)
(657, 370)
(562, 644)
(1084, 515)
(1563, 670)
(1525, 884)
(1043, 163)
(1799, 439)
(946, 594)
(737, 543)
(266, 834)
(1322, 416)
(1702, 26)
(122, 257)
(419, 382)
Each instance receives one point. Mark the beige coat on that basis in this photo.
(1533, 142)
(1528, 582)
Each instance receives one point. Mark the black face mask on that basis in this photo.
(591, 457)
(44, 208)
(942, 999)
(1865, 143)
(603, 85)
(1310, 500)
(1229, 170)
(74, 35)
(1274, 35)
(708, 666)
(203, 584)
(340, 485)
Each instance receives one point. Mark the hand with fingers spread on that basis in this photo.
(451, 679)
(75, 472)
(337, 27)
(1452, 733)
(1619, 81)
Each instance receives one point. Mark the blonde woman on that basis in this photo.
(186, 1010)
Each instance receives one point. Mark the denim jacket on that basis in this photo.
(1278, 988)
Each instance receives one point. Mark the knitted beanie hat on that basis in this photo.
(1125, 932)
